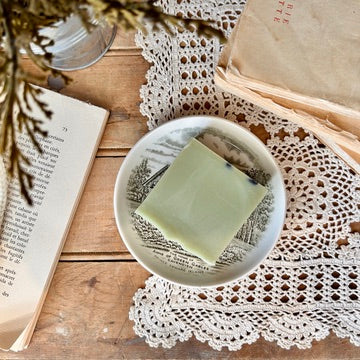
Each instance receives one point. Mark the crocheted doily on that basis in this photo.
(310, 283)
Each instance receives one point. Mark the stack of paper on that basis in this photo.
(300, 60)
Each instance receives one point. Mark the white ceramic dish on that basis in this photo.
(149, 159)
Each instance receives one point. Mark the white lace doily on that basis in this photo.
(310, 283)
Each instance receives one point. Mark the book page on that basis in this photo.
(342, 142)
(32, 236)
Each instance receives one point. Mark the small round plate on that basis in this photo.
(144, 166)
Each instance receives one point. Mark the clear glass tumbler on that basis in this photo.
(74, 46)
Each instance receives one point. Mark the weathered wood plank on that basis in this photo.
(112, 83)
(97, 256)
(124, 40)
(93, 228)
(85, 316)
(112, 152)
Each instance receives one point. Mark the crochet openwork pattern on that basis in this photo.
(310, 283)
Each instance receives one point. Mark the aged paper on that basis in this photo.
(32, 236)
(299, 59)
(310, 47)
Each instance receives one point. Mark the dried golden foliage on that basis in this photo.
(20, 22)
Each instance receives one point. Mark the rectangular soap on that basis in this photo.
(201, 201)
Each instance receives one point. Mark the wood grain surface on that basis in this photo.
(85, 315)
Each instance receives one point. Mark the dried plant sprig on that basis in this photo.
(131, 15)
(20, 25)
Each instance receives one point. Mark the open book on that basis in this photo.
(300, 60)
(32, 237)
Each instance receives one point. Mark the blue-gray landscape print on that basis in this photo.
(152, 166)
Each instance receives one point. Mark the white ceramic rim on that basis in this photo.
(126, 163)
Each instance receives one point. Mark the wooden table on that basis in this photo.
(85, 315)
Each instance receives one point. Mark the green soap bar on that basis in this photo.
(201, 201)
